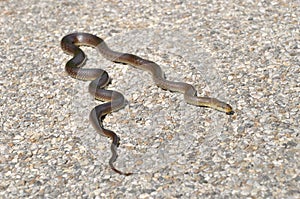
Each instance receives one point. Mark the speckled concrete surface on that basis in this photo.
(245, 53)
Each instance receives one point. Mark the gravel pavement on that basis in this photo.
(246, 53)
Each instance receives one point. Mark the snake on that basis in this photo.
(114, 100)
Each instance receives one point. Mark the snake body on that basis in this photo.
(115, 100)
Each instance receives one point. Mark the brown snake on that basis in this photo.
(115, 100)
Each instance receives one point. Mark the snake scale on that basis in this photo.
(113, 99)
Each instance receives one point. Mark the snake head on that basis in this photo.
(227, 109)
(221, 106)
